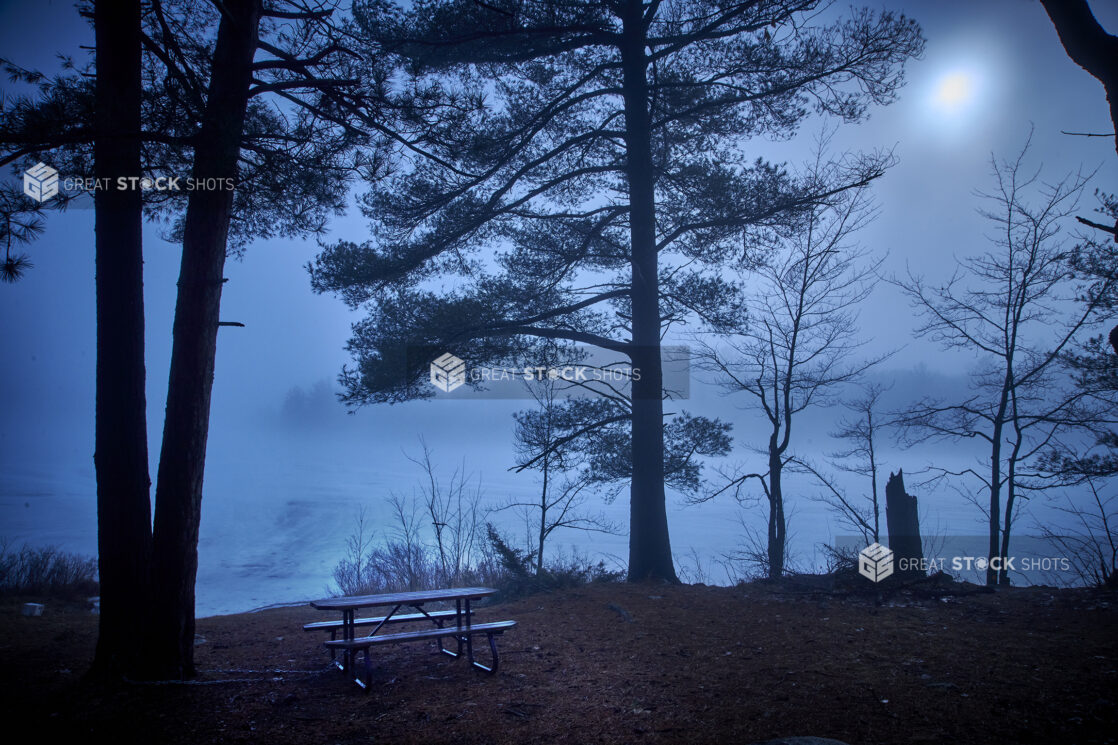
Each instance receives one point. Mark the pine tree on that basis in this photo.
(590, 176)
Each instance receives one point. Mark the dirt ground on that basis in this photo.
(610, 664)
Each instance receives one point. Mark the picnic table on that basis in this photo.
(457, 624)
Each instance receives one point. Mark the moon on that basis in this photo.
(954, 91)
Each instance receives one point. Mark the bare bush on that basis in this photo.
(1089, 540)
(520, 576)
(454, 508)
(434, 539)
(404, 562)
(692, 569)
(47, 571)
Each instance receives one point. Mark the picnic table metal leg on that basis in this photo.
(438, 624)
(492, 669)
(458, 620)
(368, 682)
(469, 636)
(348, 629)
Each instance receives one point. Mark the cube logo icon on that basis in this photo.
(875, 562)
(448, 373)
(40, 182)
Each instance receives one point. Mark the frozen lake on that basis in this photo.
(283, 494)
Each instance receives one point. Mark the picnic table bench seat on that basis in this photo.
(462, 634)
(335, 626)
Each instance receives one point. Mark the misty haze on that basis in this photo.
(705, 371)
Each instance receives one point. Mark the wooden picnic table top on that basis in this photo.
(352, 602)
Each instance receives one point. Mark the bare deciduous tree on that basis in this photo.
(796, 345)
(863, 432)
(564, 482)
(1013, 307)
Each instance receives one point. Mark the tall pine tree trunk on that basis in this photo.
(183, 454)
(650, 554)
(121, 453)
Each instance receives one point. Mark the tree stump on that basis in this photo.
(904, 528)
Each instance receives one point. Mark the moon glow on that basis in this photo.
(954, 91)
